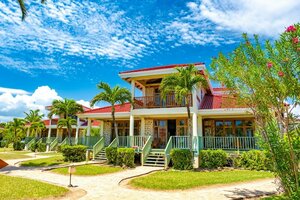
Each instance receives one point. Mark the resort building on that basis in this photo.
(154, 125)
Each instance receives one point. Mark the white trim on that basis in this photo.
(227, 111)
(104, 115)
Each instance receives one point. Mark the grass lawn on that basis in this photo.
(89, 170)
(45, 162)
(9, 154)
(21, 188)
(176, 180)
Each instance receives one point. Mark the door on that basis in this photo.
(172, 128)
(160, 134)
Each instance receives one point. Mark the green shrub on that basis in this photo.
(18, 146)
(3, 144)
(213, 158)
(41, 147)
(111, 155)
(182, 159)
(254, 160)
(125, 157)
(33, 147)
(74, 153)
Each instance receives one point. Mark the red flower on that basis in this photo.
(269, 65)
(295, 40)
(280, 73)
(291, 29)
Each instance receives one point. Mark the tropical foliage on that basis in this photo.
(66, 109)
(266, 79)
(182, 84)
(34, 122)
(113, 96)
(24, 9)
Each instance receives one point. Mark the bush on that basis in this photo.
(74, 153)
(3, 144)
(182, 159)
(125, 157)
(18, 146)
(41, 147)
(254, 160)
(111, 155)
(33, 147)
(213, 158)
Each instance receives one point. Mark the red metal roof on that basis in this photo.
(161, 67)
(54, 122)
(220, 101)
(118, 108)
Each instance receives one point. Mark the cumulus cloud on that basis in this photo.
(296, 110)
(14, 102)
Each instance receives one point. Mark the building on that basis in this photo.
(154, 125)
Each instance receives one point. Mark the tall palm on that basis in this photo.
(113, 96)
(65, 108)
(24, 9)
(32, 117)
(182, 85)
(38, 127)
(68, 122)
(16, 128)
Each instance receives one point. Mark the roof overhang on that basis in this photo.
(118, 115)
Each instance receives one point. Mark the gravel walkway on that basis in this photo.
(107, 186)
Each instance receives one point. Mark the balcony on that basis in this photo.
(157, 101)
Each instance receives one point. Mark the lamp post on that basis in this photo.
(72, 170)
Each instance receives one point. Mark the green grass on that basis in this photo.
(275, 197)
(21, 188)
(8, 155)
(89, 170)
(179, 180)
(45, 162)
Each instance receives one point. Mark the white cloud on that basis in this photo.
(296, 110)
(267, 17)
(14, 102)
(84, 103)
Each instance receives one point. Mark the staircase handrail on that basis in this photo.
(30, 143)
(114, 143)
(146, 150)
(98, 147)
(167, 152)
(53, 144)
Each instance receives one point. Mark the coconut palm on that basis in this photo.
(113, 96)
(68, 122)
(24, 9)
(38, 127)
(32, 117)
(65, 108)
(182, 85)
(17, 129)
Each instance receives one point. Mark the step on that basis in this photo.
(154, 165)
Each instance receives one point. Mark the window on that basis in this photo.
(123, 128)
(182, 127)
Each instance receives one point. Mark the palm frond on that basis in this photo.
(23, 9)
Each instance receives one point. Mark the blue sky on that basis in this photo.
(64, 48)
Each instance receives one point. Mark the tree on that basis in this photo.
(16, 129)
(65, 109)
(34, 119)
(68, 123)
(113, 96)
(24, 9)
(182, 85)
(38, 127)
(266, 79)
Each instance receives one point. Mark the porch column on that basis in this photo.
(200, 128)
(131, 126)
(88, 133)
(194, 99)
(132, 88)
(77, 130)
(142, 126)
(195, 141)
(101, 128)
(49, 135)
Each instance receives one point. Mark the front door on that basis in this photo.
(160, 134)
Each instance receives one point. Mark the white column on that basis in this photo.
(142, 126)
(132, 88)
(49, 135)
(89, 127)
(77, 130)
(194, 99)
(101, 128)
(195, 141)
(195, 127)
(200, 127)
(131, 126)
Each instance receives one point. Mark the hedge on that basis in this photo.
(182, 159)
(74, 153)
(254, 160)
(40, 147)
(18, 146)
(125, 157)
(111, 155)
(213, 158)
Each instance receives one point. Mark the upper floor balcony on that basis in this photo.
(156, 101)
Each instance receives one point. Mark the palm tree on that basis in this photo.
(182, 84)
(24, 9)
(38, 127)
(68, 122)
(113, 96)
(16, 128)
(32, 118)
(65, 108)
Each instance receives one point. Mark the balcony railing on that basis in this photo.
(157, 101)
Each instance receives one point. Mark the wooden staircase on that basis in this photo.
(101, 155)
(156, 158)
